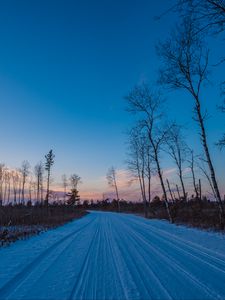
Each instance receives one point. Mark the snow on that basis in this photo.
(115, 256)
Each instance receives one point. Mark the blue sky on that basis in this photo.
(65, 67)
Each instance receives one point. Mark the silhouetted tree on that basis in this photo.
(38, 171)
(210, 14)
(185, 59)
(112, 181)
(141, 100)
(15, 180)
(65, 184)
(177, 149)
(75, 180)
(192, 164)
(2, 170)
(25, 170)
(73, 197)
(139, 163)
(48, 166)
(74, 194)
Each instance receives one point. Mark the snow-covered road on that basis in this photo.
(115, 256)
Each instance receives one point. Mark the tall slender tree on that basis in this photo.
(2, 171)
(177, 149)
(185, 66)
(38, 171)
(48, 167)
(65, 185)
(147, 103)
(25, 170)
(112, 181)
(192, 164)
(139, 163)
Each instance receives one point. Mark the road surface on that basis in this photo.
(115, 256)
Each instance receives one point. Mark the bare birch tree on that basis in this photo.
(2, 170)
(65, 185)
(209, 13)
(38, 172)
(177, 149)
(15, 181)
(139, 163)
(185, 66)
(143, 101)
(112, 181)
(192, 165)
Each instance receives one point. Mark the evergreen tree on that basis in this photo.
(73, 197)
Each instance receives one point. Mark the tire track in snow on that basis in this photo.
(77, 287)
(217, 264)
(169, 261)
(191, 245)
(42, 269)
(139, 267)
(115, 256)
(129, 288)
(14, 282)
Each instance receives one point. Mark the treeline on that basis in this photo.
(25, 186)
(194, 212)
(185, 65)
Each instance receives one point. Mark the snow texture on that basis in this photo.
(115, 256)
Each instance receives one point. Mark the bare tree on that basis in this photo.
(38, 171)
(141, 100)
(48, 167)
(15, 181)
(185, 67)
(75, 180)
(6, 183)
(112, 181)
(6, 180)
(139, 163)
(32, 189)
(25, 170)
(177, 149)
(202, 167)
(169, 188)
(65, 185)
(221, 142)
(192, 164)
(2, 171)
(20, 185)
(209, 13)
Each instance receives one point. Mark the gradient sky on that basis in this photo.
(65, 67)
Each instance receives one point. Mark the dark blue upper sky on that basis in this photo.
(65, 67)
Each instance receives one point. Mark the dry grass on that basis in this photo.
(21, 221)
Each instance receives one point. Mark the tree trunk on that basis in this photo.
(163, 187)
(178, 192)
(144, 194)
(117, 194)
(182, 185)
(210, 164)
(200, 189)
(171, 195)
(47, 192)
(193, 176)
(9, 190)
(23, 187)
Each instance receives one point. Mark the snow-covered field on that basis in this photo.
(115, 256)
